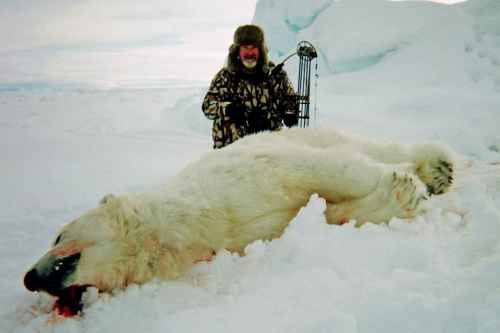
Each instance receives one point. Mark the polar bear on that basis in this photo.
(231, 197)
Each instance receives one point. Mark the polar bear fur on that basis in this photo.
(231, 197)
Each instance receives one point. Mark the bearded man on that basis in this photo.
(249, 94)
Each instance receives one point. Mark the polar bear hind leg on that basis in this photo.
(356, 176)
(434, 167)
(432, 163)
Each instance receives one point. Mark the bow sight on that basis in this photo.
(305, 49)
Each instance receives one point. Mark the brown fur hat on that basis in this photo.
(245, 35)
(249, 34)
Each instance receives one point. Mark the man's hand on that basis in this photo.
(236, 113)
(291, 110)
(290, 119)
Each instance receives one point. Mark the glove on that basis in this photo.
(236, 113)
(291, 110)
(258, 121)
(290, 119)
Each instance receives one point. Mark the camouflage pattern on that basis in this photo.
(266, 96)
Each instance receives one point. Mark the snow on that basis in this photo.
(406, 71)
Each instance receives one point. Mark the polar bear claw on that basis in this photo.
(437, 175)
(405, 194)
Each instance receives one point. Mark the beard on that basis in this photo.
(249, 63)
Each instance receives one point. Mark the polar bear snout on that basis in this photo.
(51, 273)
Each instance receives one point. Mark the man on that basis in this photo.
(250, 94)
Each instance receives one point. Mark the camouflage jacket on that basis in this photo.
(266, 97)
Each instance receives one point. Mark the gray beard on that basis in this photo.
(249, 64)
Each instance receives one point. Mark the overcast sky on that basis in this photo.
(111, 41)
(106, 42)
(36, 23)
(60, 23)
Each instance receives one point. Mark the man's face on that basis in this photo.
(249, 55)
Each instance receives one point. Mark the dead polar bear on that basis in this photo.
(231, 197)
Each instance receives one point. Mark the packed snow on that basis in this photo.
(403, 71)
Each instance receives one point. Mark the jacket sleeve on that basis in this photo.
(287, 101)
(215, 102)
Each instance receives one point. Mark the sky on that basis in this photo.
(117, 43)
(81, 23)
(30, 24)
(121, 42)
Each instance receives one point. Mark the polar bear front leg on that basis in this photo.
(397, 195)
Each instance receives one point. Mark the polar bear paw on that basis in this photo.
(434, 167)
(437, 175)
(405, 194)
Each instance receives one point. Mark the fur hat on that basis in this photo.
(249, 34)
(245, 35)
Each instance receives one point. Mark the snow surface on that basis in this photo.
(407, 71)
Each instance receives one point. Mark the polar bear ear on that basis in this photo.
(107, 198)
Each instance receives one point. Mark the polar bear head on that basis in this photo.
(108, 247)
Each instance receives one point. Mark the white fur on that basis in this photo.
(247, 191)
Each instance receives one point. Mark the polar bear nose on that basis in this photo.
(32, 280)
(51, 273)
